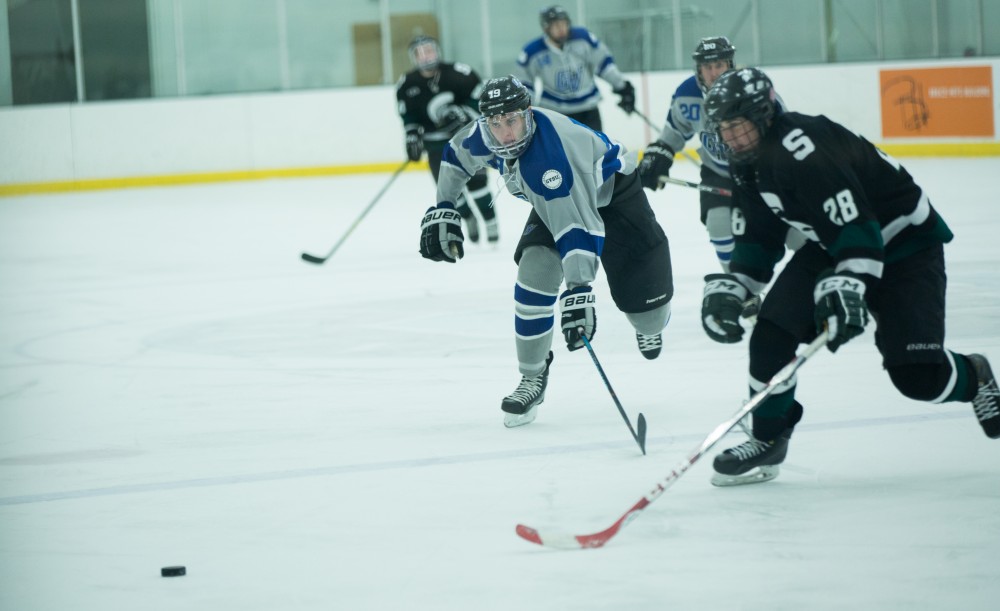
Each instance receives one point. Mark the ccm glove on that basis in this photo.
(627, 100)
(841, 311)
(656, 162)
(441, 234)
(414, 143)
(721, 307)
(454, 114)
(578, 314)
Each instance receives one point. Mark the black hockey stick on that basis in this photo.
(568, 541)
(696, 185)
(640, 435)
(321, 260)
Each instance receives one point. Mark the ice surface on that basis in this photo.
(177, 387)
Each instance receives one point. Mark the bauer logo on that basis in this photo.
(552, 179)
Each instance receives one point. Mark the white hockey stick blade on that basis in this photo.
(757, 475)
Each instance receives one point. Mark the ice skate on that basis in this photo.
(492, 231)
(986, 403)
(521, 406)
(751, 462)
(649, 345)
(472, 228)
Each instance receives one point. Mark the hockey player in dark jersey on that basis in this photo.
(436, 99)
(875, 250)
(588, 209)
(566, 60)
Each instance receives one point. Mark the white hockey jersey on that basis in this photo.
(566, 173)
(567, 74)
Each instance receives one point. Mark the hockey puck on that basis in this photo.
(173, 571)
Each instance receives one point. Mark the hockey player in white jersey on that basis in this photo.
(685, 120)
(566, 60)
(588, 209)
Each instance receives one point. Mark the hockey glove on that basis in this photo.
(656, 162)
(627, 100)
(840, 308)
(455, 116)
(578, 313)
(441, 234)
(721, 307)
(414, 143)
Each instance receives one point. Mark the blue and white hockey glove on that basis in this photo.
(441, 234)
(721, 306)
(578, 312)
(840, 308)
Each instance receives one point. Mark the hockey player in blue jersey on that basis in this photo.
(874, 250)
(566, 60)
(588, 209)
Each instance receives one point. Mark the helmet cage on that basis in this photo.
(741, 94)
(425, 54)
(502, 98)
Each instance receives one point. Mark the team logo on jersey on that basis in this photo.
(551, 179)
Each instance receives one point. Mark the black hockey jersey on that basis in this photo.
(440, 104)
(839, 190)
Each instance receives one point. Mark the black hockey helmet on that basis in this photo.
(552, 13)
(425, 53)
(504, 100)
(712, 49)
(746, 93)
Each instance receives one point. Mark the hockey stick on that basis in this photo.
(658, 129)
(695, 185)
(640, 436)
(598, 539)
(321, 260)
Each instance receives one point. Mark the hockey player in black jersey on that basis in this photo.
(875, 250)
(436, 99)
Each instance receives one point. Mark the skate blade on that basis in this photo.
(756, 475)
(514, 420)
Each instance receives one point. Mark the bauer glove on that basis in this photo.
(578, 314)
(721, 307)
(656, 162)
(441, 234)
(841, 311)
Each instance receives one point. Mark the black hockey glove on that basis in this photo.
(841, 311)
(627, 100)
(656, 162)
(577, 307)
(414, 143)
(441, 234)
(721, 307)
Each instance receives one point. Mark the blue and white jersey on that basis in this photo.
(567, 74)
(686, 119)
(566, 173)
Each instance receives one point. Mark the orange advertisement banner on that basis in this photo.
(923, 102)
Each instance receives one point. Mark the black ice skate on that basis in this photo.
(649, 345)
(521, 406)
(986, 403)
(472, 228)
(751, 462)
